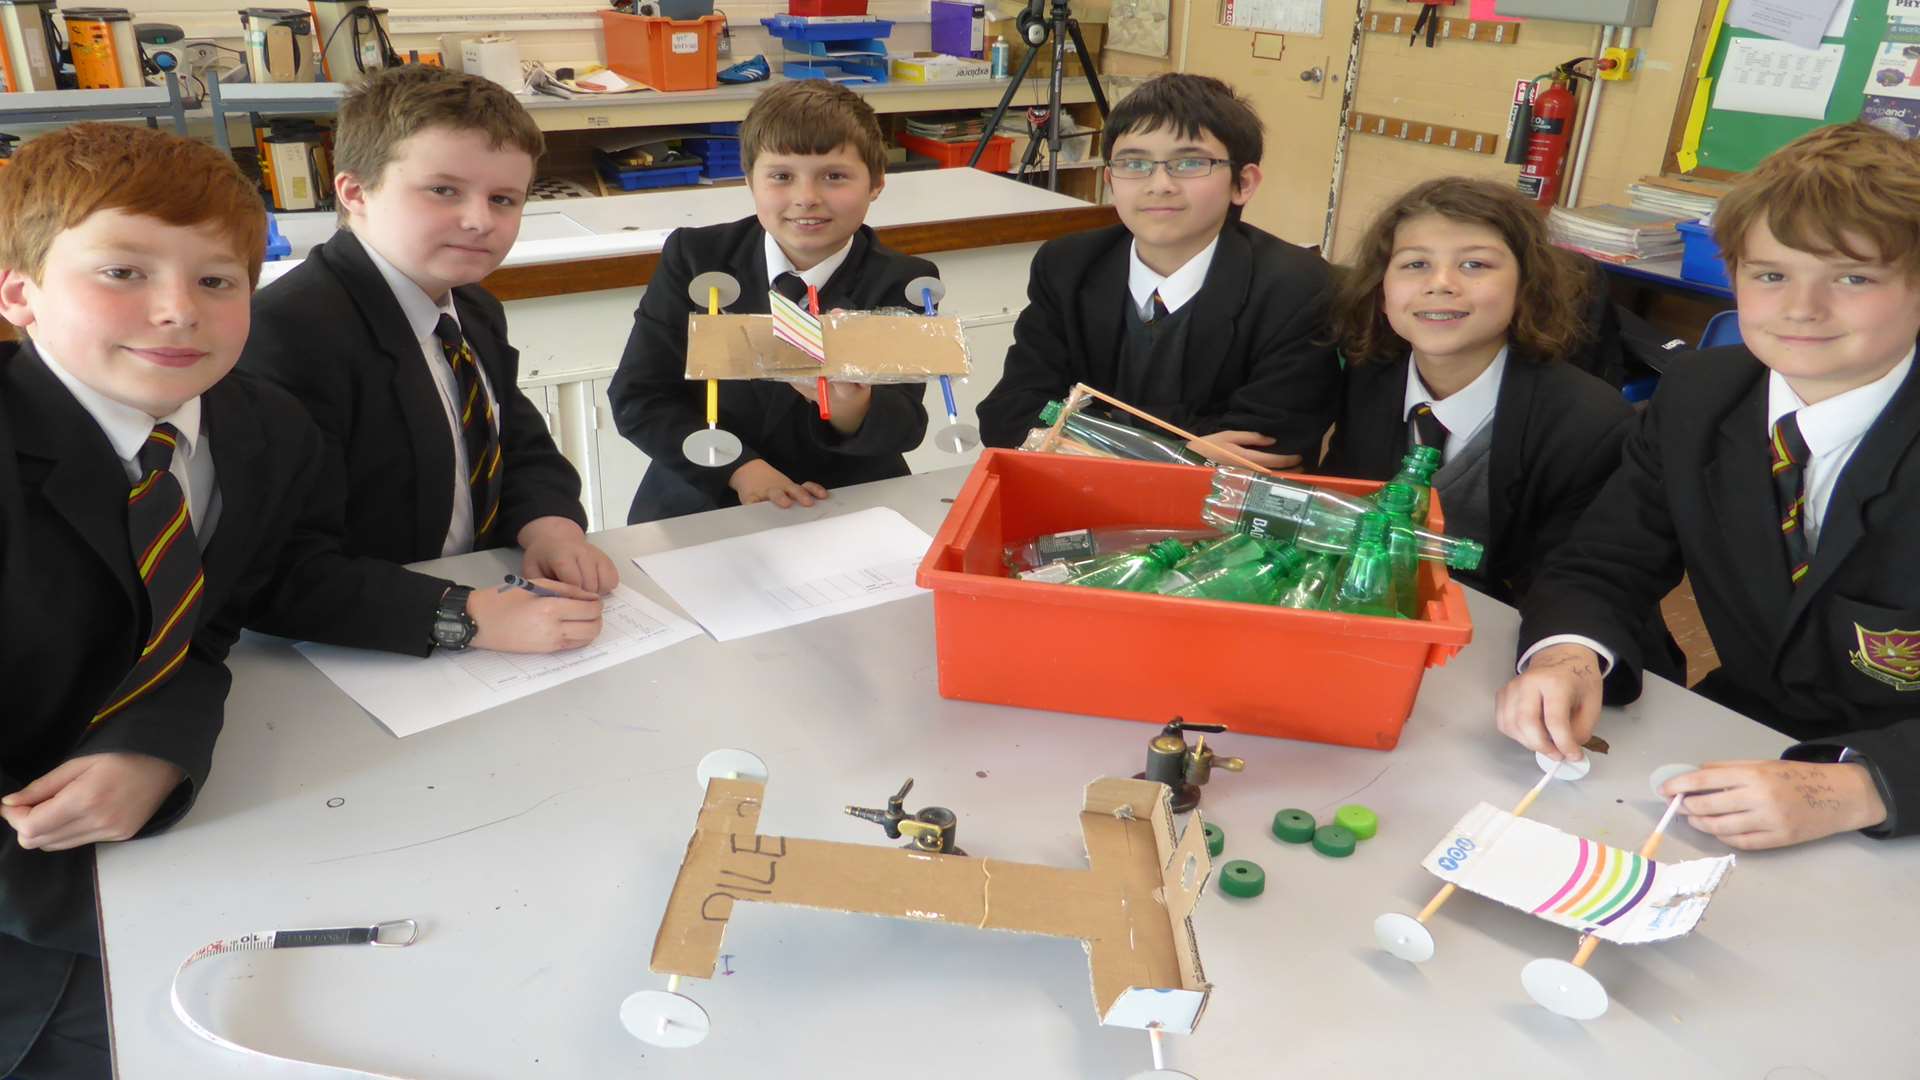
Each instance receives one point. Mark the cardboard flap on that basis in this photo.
(861, 347)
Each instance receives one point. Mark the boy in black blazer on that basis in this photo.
(150, 503)
(1782, 477)
(815, 162)
(402, 358)
(1182, 310)
(1459, 320)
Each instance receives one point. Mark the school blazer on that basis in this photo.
(75, 620)
(655, 406)
(1829, 662)
(1556, 441)
(1258, 357)
(331, 332)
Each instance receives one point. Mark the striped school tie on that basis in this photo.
(477, 432)
(167, 558)
(1790, 456)
(1427, 428)
(1156, 309)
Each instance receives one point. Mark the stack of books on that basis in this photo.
(1616, 234)
(948, 128)
(1673, 196)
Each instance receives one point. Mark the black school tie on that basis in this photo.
(167, 558)
(788, 284)
(1427, 428)
(1156, 308)
(1790, 456)
(477, 433)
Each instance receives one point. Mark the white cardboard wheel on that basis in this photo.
(925, 284)
(664, 1018)
(957, 438)
(711, 447)
(1564, 988)
(731, 764)
(1664, 773)
(702, 284)
(1565, 770)
(1404, 936)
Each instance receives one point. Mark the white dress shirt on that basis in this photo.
(1175, 289)
(816, 275)
(1465, 411)
(1833, 430)
(422, 316)
(127, 428)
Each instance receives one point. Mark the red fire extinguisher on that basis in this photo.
(1549, 131)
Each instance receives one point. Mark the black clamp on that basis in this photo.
(1182, 766)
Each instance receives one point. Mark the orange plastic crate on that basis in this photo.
(953, 155)
(666, 54)
(1313, 675)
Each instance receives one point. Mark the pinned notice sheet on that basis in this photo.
(1762, 75)
(763, 581)
(409, 695)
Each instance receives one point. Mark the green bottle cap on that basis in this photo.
(1397, 499)
(1167, 552)
(1358, 820)
(1467, 555)
(1293, 826)
(1216, 839)
(1242, 878)
(1051, 413)
(1334, 840)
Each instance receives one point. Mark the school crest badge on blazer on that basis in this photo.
(1888, 656)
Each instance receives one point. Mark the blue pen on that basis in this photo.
(515, 581)
(946, 384)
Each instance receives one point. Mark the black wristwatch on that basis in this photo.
(453, 628)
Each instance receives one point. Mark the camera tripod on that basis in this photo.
(1036, 28)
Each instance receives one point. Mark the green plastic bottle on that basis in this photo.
(1396, 501)
(1132, 571)
(1113, 437)
(1081, 545)
(1238, 568)
(1311, 517)
(1416, 472)
(1308, 590)
(1365, 584)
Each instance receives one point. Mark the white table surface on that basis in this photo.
(537, 844)
(638, 223)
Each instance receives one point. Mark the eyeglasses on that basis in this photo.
(1181, 168)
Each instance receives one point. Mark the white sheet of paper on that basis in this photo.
(1842, 15)
(1802, 22)
(1578, 883)
(1896, 71)
(408, 695)
(1776, 78)
(751, 584)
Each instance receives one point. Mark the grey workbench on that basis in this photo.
(536, 844)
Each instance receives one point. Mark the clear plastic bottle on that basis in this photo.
(1365, 583)
(1308, 590)
(1119, 440)
(1131, 571)
(1078, 545)
(1237, 568)
(1310, 517)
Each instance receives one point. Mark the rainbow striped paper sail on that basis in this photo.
(797, 327)
(1578, 883)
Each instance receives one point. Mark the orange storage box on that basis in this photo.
(666, 54)
(954, 155)
(1314, 675)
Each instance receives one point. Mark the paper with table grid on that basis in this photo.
(751, 584)
(409, 695)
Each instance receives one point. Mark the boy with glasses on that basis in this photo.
(1182, 309)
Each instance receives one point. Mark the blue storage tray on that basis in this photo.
(802, 28)
(1700, 259)
(679, 174)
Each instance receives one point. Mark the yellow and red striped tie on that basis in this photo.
(1790, 456)
(167, 558)
(477, 432)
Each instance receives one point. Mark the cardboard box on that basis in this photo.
(924, 67)
(861, 347)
